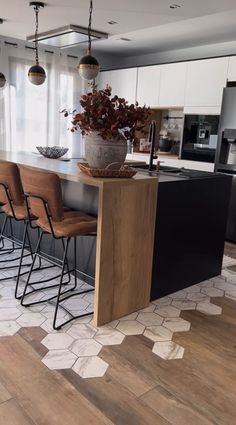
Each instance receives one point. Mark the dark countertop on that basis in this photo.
(180, 175)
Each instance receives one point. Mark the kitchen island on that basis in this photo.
(126, 210)
(147, 246)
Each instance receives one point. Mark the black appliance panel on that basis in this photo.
(200, 137)
(226, 153)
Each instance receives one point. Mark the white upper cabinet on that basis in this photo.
(205, 82)
(232, 69)
(196, 85)
(122, 81)
(172, 84)
(148, 85)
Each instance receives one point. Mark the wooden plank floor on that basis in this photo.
(139, 388)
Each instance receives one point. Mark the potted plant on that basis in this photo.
(107, 123)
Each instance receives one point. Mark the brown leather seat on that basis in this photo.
(48, 186)
(74, 223)
(20, 211)
(14, 207)
(10, 177)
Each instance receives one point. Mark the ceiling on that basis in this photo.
(151, 24)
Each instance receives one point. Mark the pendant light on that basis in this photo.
(2, 80)
(36, 73)
(89, 66)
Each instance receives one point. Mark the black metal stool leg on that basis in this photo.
(75, 261)
(67, 264)
(29, 242)
(64, 263)
(25, 234)
(31, 268)
(2, 230)
(3, 250)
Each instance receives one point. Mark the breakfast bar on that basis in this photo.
(126, 213)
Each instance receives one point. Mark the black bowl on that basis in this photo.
(53, 152)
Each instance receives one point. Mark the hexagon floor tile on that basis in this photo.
(82, 330)
(31, 319)
(57, 341)
(168, 311)
(131, 327)
(9, 313)
(149, 319)
(184, 304)
(79, 344)
(209, 308)
(163, 301)
(90, 367)
(158, 333)
(177, 324)
(131, 316)
(59, 359)
(168, 350)
(109, 336)
(192, 289)
(179, 295)
(8, 327)
(197, 297)
(213, 292)
(86, 347)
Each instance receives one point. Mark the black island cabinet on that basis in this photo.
(190, 230)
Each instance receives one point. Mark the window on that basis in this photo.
(35, 118)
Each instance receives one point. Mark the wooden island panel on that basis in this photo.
(126, 227)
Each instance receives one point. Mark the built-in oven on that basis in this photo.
(199, 140)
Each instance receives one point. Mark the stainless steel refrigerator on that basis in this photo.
(225, 161)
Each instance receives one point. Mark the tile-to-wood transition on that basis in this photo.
(139, 387)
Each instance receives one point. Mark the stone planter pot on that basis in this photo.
(100, 153)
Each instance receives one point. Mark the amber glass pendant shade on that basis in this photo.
(88, 67)
(3, 80)
(37, 75)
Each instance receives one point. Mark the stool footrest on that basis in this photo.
(58, 327)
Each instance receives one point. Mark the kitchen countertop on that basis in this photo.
(164, 155)
(174, 161)
(66, 170)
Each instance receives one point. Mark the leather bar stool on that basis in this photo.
(44, 199)
(14, 208)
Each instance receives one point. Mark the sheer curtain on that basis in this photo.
(30, 115)
(2, 118)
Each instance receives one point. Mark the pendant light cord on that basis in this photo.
(89, 26)
(36, 9)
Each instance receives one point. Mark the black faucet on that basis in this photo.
(152, 139)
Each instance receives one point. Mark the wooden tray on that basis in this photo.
(124, 172)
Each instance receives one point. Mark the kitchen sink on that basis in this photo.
(178, 172)
(162, 168)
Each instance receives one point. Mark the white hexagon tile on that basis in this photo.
(78, 344)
